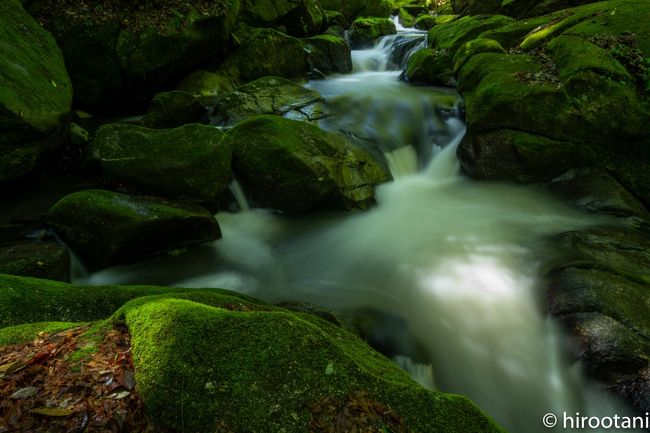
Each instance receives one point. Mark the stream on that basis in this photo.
(447, 269)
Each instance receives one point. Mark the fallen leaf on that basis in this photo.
(12, 367)
(119, 395)
(52, 411)
(29, 391)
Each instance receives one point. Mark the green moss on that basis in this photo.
(405, 18)
(476, 46)
(206, 85)
(352, 9)
(191, 162)
(329, 54)
(24, 333)
(426, 66)
(364, 32)
(240, 380)
(301, 18)
(425, 22)
(297, 167)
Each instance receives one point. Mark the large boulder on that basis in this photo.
(206, 86)
(329, 54)
(268, 95)
(299, 17)
(107, 228)
(602, 297)
(270, 369)
(120, 53)
(35, 93)
(365, 32)
(191, 162)
(267, 52)
(547, 106)
(47, 260)
(297, 167)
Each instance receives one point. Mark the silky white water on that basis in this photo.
(458, 261)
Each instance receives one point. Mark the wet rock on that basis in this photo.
(107, 228)
(173, 109)
(365, 32)
(297, 167)
(596, 190)
(47, 260)
(206, 86)
(35, 94)
(191, 162)
(329, 54)
(268, 95)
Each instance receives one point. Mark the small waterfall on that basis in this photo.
(240, 197)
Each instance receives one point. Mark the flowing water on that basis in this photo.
(447, 268)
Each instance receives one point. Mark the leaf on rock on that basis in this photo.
(26, 392)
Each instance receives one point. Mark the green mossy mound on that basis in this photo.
(106, 227)
(424, 22)
(267, 368)
(329, 54)
(300, 18)
(35, 93)
(267, 52)
(190, 163)
(364, 32)
(297, 167)
(173, 109)
(556, 92)
(405, 18)
(47, 260)
(137, 48)
(268, 95)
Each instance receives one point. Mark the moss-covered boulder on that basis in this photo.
(329, 54)
(601, 296)
(272, 370)
(47, 260)
(435, 64)
(268, 95)
(424, 22)
(299, 17)
(547, 106)
(267, 52)
(405, 18)
(269, 368)
(137, 48)
(297, 167)
(191, 162)
(364, 32)
(205, 85)
(35, 93)
(106, 227)
(172, 109)
(352, 9)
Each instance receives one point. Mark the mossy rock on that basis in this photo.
(25, 333)
(205, 85)
(365, 32)
(329, 54)
(476, 7)
(425, 22)
(405, 18)
(352, 9)
(425, 66)
(267, 52)
(31, 300)
(270, 370)
(297, 167)
(473, 47)
(580, 68)
(172, 109)
(301, 18)
(35, 93)
(532, 8)
(106, 227)
(191, 162)
(268, 95)
(335, 18)
(137, 48)
(47, 260)
(436, 66)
